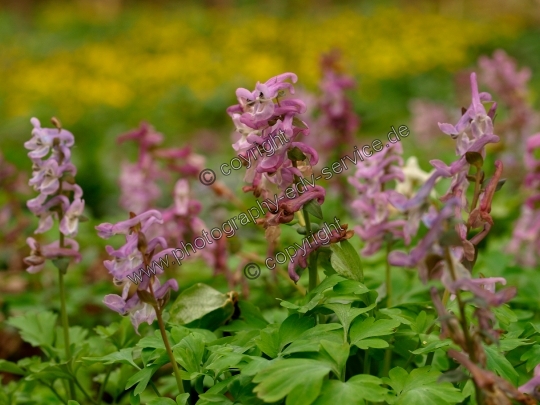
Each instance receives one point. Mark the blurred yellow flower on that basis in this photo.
(143, 54)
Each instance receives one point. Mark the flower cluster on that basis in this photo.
(138, 188)
(372, 207)
(136, 253)
(59, 196)
(259, 117)
(449, 255)
(501, 74)
(338, 122)
(472, 133)
(525, 242)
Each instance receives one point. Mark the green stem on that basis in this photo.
(169, 351)
(387, 360)
(103, 386)
(65, 325)
(154, 388)
(388, 352)
(388, 276)
(53, 390)
(464, 324)
(313, 274)
(367, 362)
(84, 392)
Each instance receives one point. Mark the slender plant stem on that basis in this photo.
(154, 388)
(84, 392)
(65, 326)
(387, 360)
(388, 276)
(63, 311)
(388, 352)
(103, 386)
(464, 324)
(313, 274)
(312, 259)
(367, 362)
(53, 390)
(169, 351)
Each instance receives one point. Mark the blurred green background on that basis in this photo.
(102, 66)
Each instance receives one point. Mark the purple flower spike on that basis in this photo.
(59, 197)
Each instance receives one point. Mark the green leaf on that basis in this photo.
(336, 355)
(161, 401)
(214, 399)
(498, 363)
(532, 356)
(141, 378)
(314, 208)
(350, 287)
(505, 345)
(354, 392)
(293, 327)
(252, 315)
(346, 262)
(268, 341)
(395, 313)
(298, 379)
(182, 399)
(302, 309)
(72, 402)
(37, 329)
(61, 264)
(154, 341)
(362, 330)
(297, 122)
(190, 352)
(420, 387)
(296, 154)
(474, 158)
(201, 306)
(124, 356)
(51, 373)
(346, 314)
(432, 346)
(9, 367)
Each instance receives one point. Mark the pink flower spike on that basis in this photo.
(106, 230)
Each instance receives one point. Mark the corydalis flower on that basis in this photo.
(138, 186)
(501, 74)
(59, 198)
(531, 387)
(338, 122)
(372, 207)
(472, 133)
(268, 123)
(132, 257)
(525, 242)
(39, 254)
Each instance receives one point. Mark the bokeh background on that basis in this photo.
(102, 66)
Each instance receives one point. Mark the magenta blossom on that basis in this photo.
(269, 126)
(372, 205)
(137, 258)
(59, 197)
